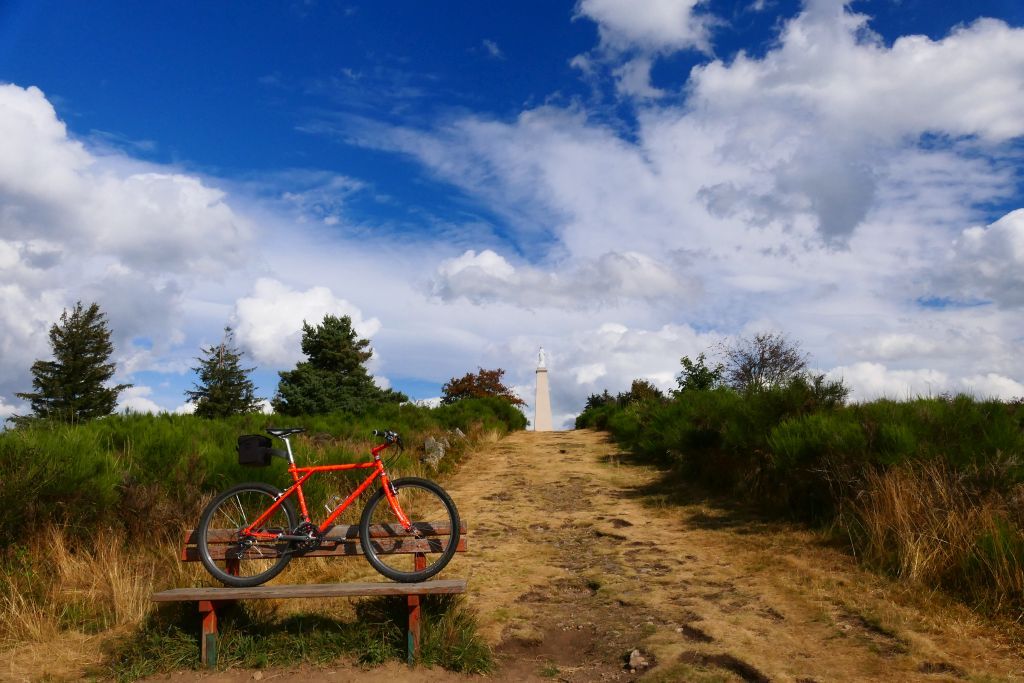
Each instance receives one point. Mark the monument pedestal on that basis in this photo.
(542, 402)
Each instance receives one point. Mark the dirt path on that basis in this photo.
(579, 557)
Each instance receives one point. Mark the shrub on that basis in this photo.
(134, 470)
(929, 489)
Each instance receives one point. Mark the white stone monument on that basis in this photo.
(542, 402)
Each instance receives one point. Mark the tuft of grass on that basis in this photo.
(451, 638)
(549, 670)
(923, 522)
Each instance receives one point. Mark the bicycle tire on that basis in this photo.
(423, 501)
(230, 512)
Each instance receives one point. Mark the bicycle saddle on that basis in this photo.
(279, 432)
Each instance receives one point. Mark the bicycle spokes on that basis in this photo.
(240, 554)
(432, 518)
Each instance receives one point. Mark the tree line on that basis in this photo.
(74, 386)
(766, 360)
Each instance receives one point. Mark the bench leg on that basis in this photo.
(414, 628)
(414, 615)
(208, 637)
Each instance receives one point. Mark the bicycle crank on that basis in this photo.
(306, 537)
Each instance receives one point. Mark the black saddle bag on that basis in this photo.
(254, 450)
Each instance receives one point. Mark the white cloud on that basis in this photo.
(829, 65)
(993, 385)
(789, 191)
(589, 373)
(488, 277)
(269, 320)
(137, 400)
(492, 49)
(185, 409)
(869, 381)
(79, 225)
(653, 25)
(7, 410)
(988, 263)
(634, 79)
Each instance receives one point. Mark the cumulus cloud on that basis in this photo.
(137, 399)
(7, 410)
(610, 356)
(654, 25)
(993, 385)
(269, 320)
(639, 32)
(792, 191)
(488, 277)
(79, 225)
(795, 189)
(869, 381)
(830, 65)
(874, 380)
(634, 79)
(988, 263)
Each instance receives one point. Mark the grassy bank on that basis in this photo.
(96, 514)
(930, 490)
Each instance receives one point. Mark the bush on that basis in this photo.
(798, 450)
(135, 470)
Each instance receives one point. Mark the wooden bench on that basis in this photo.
(339, 541)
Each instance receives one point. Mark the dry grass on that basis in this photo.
(923, 523)
(78, 592)
(84, 592)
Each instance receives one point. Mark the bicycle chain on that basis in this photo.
(313, 538)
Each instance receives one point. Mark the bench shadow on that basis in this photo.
(257, 636)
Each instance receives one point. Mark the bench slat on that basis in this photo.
(321, 590)
(340, 549)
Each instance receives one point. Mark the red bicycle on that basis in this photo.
(249, 533)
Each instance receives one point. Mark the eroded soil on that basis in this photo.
(578, 557)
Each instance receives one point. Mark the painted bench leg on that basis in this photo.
(414, 628)
(208, 636)
(414, 615)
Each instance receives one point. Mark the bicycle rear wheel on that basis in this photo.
(433, 515)
(241, 561)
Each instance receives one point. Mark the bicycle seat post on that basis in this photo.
(288, 447)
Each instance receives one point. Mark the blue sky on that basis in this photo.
(622, 182)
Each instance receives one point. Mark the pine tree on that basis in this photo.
(334, 378)
(72, 386)
(224, 387)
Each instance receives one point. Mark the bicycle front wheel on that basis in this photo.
(235, 559)
(435, 520)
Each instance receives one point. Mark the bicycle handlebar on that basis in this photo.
(389, 436)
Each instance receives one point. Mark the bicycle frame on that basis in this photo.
(301, 474)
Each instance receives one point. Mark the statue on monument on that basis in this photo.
(541, 358)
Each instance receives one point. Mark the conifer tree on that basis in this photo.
(72, 386)
(224, 387)
(334, 377)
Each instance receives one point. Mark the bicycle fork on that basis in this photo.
(391, 493)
